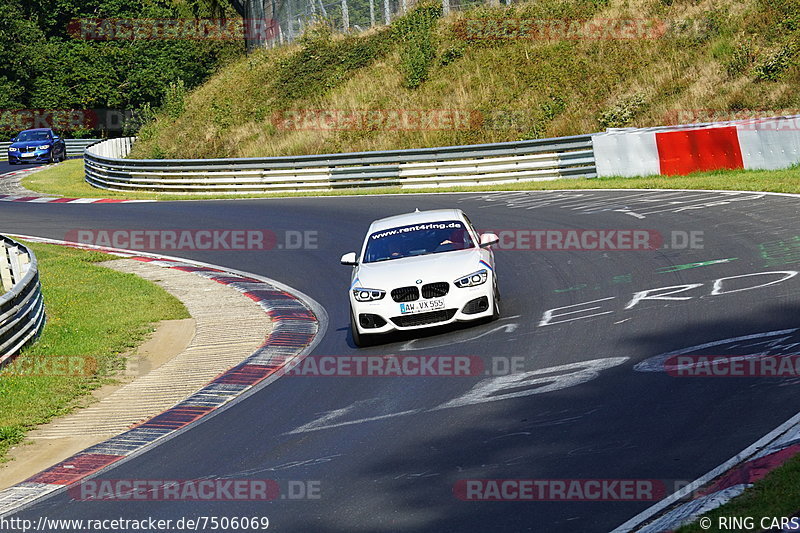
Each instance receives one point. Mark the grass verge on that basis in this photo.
(777, 495)
(66, 179)
(92, 312)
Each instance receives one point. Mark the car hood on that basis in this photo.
(445, 266)
(25, 144)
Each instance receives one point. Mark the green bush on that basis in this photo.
(222, 113)
(548, 111)
(741, 59)
(775, 65)
(414, 32)
(450, 55)
(141, 123)
(786, 13)
(156, 152)
(623, 112)
(175, 99)
(325, 62)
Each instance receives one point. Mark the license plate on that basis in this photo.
(422, 306)
(28, 154)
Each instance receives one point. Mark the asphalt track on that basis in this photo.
(5, 166)
(397, 472)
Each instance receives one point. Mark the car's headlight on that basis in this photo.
(12, 149)
(476, 278)
(44, 147)
(368, 295)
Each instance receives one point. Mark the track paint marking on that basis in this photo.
(488, 390)
(575, 288)
(781, 252)
(788, 274)
(629, 212)
(422, 344)
(656, 363)
(547, 318)
(661, 295)
(534, 382)
(699, 264)
(319, 424)
(623, 278)
(720, 286)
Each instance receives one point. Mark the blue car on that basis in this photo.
(41, 145)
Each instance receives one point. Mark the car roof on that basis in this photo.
(36, 129)
(417, 217)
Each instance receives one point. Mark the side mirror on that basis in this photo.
(488, 239)
(349, 259)
(14, 139)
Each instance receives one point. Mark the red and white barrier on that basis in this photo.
(770, 143)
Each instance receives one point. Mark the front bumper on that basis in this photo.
(38, 156)
(459, 305)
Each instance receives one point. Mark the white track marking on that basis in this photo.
(488, 390)
(656, 363)
(547, 317)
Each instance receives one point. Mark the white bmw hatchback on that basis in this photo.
(418, 270)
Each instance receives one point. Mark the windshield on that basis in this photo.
(417, 239)
(33, 136)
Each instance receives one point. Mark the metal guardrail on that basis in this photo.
(75, 147)
(21, 305)
(482, 164)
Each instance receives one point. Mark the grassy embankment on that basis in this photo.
(701, 59)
